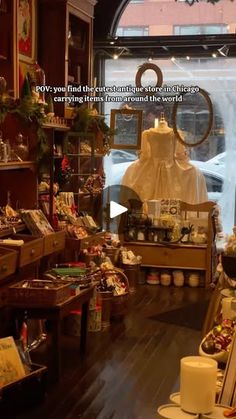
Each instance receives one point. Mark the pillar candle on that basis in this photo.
(229, 308)
(198, 384)
(156, 123)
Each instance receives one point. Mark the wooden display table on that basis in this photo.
(55, 314)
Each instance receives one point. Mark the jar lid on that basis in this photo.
(172, 411)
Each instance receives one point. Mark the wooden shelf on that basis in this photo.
(57, 127)
(17, 165)
(166, 244)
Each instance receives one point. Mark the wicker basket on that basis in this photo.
(120, 303)
(35, 295)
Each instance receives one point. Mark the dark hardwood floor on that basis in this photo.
(129, 370)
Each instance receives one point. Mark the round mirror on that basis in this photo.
(192, 118)
(145, 67)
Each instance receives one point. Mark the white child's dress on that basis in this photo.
(159, 173)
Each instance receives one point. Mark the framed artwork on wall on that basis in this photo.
(127, 124)
(27, 30)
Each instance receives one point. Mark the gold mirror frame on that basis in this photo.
(210, 122)
(141, 71)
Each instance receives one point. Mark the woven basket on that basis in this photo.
(33, 295)
(120, 303)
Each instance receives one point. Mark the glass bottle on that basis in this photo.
(21, 149)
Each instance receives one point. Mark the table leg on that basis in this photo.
(56, 348)
(84, 327)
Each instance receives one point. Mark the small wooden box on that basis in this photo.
(8, 262)
(30, 251)
(24, 393)
(35, 295)
(54, 242)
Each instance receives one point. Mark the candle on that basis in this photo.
(229, 308)
(198, 384)
(156, 123)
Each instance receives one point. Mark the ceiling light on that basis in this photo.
(172, 59)
(214, 55)
(224, 51)
(150, 59)
(187, 57)
(115, 56)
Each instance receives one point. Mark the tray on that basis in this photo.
(21, 394)
(35, 295)
(8, 262)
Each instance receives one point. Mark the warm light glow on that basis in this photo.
(187, 57)
(156, 123)
(172, 59)
(115, 56)
(150, 59)
(214, 55)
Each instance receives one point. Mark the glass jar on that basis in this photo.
(141, 234)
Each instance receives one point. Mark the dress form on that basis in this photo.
(159, 174)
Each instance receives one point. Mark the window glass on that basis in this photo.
(216, 156)
(169, 17)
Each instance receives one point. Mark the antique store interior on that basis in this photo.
(117, 209)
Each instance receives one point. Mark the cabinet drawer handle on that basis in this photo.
(32, 252)
(55, 243)
(4, 268)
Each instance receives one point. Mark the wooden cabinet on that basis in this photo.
(86, 162)
(65, 45)
(181, 256)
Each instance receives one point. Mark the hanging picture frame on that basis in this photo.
(27, 30)
(127, 125)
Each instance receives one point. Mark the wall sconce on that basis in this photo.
(224, 51)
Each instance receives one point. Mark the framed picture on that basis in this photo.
(27, 30)
(127, 124)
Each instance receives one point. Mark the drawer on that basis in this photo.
(54, 242)
(171, 257)
(8, 262)
(30, 251)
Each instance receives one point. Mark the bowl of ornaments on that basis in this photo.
(216, 344)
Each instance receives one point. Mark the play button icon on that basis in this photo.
(116, 209)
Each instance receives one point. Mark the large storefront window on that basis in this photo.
(216, 156)
(169, 17)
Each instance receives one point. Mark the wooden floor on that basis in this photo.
(129, 370)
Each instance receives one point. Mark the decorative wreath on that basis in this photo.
(94, 183)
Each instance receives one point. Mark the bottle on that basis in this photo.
(21, 149)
